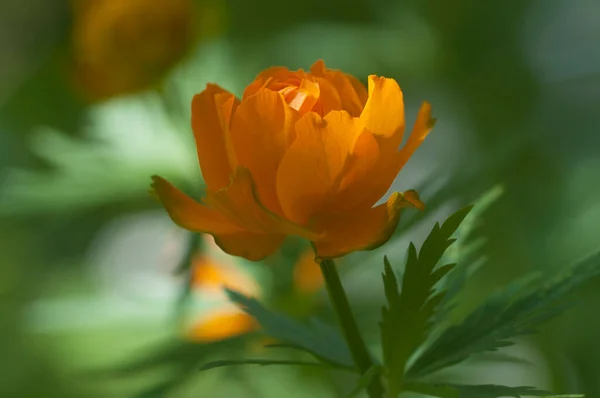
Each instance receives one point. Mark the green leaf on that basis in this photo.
(495, 391)
(467, 254)
(317, 338)
(479, 391)
(261, 362)
(406, 320)
(517, 309)
(364, 381)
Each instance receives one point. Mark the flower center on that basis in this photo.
(303, 97)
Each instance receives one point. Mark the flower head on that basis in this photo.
(303, 153)
(120, 47)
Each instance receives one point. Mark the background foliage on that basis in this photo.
(87, 257)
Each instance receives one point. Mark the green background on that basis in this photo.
(515, 86)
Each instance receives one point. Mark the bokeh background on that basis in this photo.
(94, 98)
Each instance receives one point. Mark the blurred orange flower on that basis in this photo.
(303, 153)
(212, 273)
(121, 47)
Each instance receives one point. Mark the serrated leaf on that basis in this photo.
(467, 254)
(406, 320)
(317, 338)
(516, 310)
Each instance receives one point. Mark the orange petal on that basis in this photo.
(221, 326)
(189, 214)
(391, 161)
(364, 230)
(423, 125)
(266, 77)
(375, 163)
(309, 171)
(351, 91)
(329, 98)
(360, 174)
(384, 112)
(211, 115)
(304, 97)
(250, 245)
(262, 129)
(239, 202)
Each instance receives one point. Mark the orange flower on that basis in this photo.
(121, 47)
(303, 153)
(213, 271)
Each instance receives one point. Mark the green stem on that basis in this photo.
(341, 306)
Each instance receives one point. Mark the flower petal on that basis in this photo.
(375, 163)
(329, 99)
(271, 75)
(211, 115)
(359, 175)
(351, 91)
(423, 125)
(384, 112)
(252, 246)
(364, 230)
(239, 203)
(189, 214)
(304, 98)
(262, 129)
(309, 171)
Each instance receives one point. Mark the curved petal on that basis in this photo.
(304, 98)
(366, 229)
(221, 325)
(360, 174)
(374, 164)
(329, 99)
(239, 203)
(189, 214)
(423, 125)
(211, 115)
(250, 245)
(351, 91)
(310, 169)
(273, 76)
(384, 112)
(262, 129)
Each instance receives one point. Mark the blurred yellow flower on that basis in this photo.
(121, 47)
(307, 274)
(303, 153)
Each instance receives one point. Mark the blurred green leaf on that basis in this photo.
(261, 362)
(517, 309)
(318, 339)
(466, 253)
(406, 321)
(129, 140)
(364, 381)
(476, 391)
